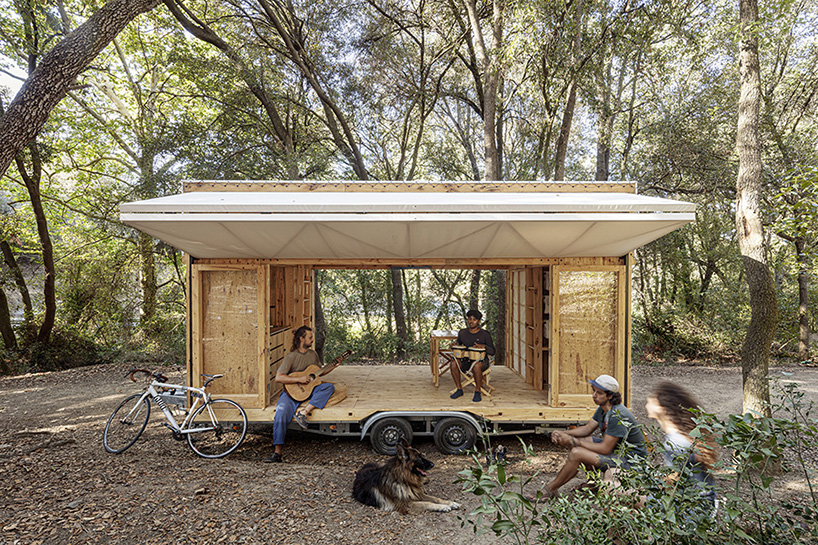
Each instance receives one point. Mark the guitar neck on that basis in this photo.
(335, 362)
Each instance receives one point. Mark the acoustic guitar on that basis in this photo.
(301, 392)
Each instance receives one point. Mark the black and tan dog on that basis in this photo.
(397, 485)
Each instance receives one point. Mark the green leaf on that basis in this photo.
(502, 526)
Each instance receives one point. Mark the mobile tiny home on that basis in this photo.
(253, 247)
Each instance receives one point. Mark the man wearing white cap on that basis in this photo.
(619, 428)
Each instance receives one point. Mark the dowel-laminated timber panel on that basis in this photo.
(409, 186)
(377, 388)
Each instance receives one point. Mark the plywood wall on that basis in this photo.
(227, 326)
(589, 329)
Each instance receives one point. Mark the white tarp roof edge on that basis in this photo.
(312, 226)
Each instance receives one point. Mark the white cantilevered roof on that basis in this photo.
(393, 225)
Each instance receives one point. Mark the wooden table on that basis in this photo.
(437, 342)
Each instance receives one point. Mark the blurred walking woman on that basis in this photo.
(670, 405)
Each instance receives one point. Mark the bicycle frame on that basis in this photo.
(199, 396)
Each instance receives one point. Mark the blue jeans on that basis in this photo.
(286, 407)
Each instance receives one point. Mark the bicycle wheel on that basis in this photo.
(126, 424)
(215, 439)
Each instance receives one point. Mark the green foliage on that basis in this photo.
(65, 350)
(359, 316)
(670, 512)
(159, 106)
(671, 337)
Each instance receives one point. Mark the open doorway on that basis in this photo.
(387, 315)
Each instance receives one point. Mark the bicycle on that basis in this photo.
(213, 427)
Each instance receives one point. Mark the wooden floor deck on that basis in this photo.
(372, 389)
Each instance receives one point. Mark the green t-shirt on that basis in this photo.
(619, 422)
(296, 361)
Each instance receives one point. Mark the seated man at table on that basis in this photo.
(473, 337)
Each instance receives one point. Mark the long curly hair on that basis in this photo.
(299, 334)
(680, 406)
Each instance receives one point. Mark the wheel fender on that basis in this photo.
(406, 414)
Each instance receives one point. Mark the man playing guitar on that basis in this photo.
(300, 357)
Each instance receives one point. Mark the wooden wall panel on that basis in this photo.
(228, 321)
(590, 327)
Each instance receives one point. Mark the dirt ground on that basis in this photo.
(58, 485)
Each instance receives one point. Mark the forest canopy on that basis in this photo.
(402, 90)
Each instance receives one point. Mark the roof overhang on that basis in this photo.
(406, 226)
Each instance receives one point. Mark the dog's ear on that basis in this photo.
(402, 449)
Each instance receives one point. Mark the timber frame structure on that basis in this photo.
(566, 248)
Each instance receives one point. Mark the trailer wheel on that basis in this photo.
(454, 435)
(386, 433)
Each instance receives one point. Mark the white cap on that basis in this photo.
(606, 382)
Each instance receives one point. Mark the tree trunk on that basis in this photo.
(282, 18)
(6, 330)
(755, 351)
(363, 283)
(19, 279)
(570, 103)
(604, 123)
(803, 299)
(58, 70)
(611, 103)
(147, 264)
(32, 182)
(498, 315)
(319, 322)
(390, 313)
(490, 67)
(400, 317)
(499, 128)
(474, 290)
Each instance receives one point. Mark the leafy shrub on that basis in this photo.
(672, 336)
(671, 514)
(64, 350)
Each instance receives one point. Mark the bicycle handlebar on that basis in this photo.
(162, 378)
(148, 375)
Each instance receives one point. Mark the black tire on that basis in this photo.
(454, 435)
(126, 424)
(223, 438)
(386, 433)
